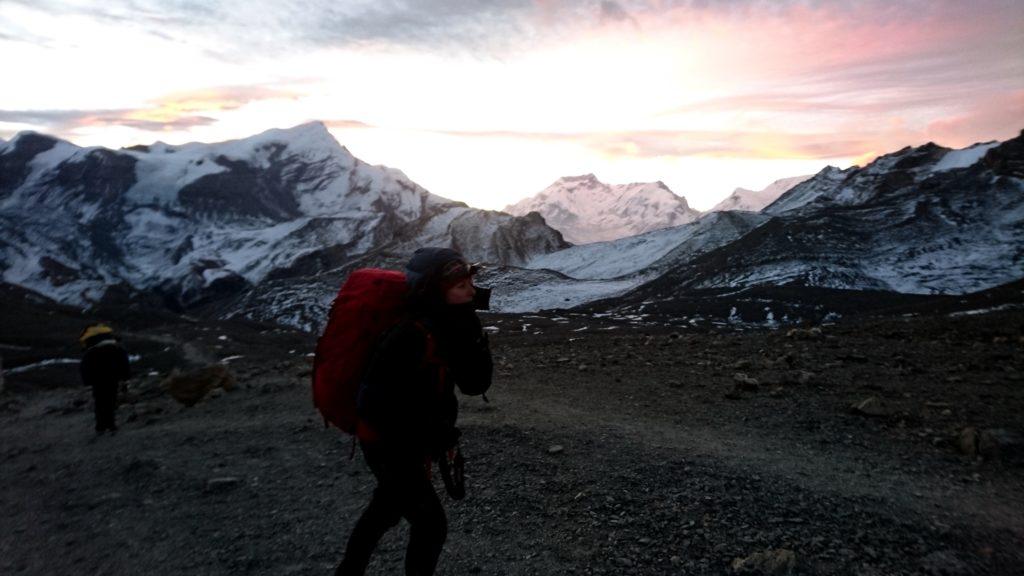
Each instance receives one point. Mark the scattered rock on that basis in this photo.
(65, 407)
(746, 383)
(804, 333)
(943, 563)
(191, 387)
(967, 441)
(872, 406)
(780, 561)
(1001, 444)
(804, 377)
(222, 484)
(140, 469)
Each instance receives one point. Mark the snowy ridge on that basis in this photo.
(821, 184)
(854, 185)
(637, 254)
(586, 210)
(600, 270)
(199, 221)
(267, 227)
(897, 225)
(755, 200)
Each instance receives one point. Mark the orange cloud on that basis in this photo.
(178, 111)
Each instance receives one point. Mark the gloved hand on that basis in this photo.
(458, 331)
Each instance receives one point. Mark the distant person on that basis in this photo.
(407, 398)
(104, 366)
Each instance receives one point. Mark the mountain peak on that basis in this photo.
(32, 138)
(587, 210)
(309, 135)
(588, 178)
(754, 200)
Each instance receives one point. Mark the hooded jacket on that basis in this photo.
(408, 392)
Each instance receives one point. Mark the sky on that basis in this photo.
(489, 101)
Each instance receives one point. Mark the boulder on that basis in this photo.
(191, 387)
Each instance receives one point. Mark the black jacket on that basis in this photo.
(408, 395)
(104, 365)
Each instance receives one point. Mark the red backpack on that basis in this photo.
(369, 302)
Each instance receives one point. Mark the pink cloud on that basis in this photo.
(998, 117)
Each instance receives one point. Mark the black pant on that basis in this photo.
(105, 401)
(403, 491)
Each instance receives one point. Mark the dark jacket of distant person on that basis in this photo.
(105, 363)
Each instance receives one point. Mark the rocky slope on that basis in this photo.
(882, 446)
(587, 210)
(921, 220)
(200, 222)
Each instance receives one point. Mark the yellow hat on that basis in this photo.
(95, 330)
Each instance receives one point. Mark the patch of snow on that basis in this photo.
(963, 158)
(43, 364)
(977, 311)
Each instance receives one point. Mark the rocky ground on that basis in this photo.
(874, 446)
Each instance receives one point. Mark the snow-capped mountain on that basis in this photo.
(755, 200)
(924, 220)
(906, 168)
(202, 221)
(584, 209)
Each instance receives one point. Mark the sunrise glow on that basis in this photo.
(490, 106)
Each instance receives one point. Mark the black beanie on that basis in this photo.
(427, 267)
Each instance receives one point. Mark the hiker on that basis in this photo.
(103, 367)
(407, 399)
